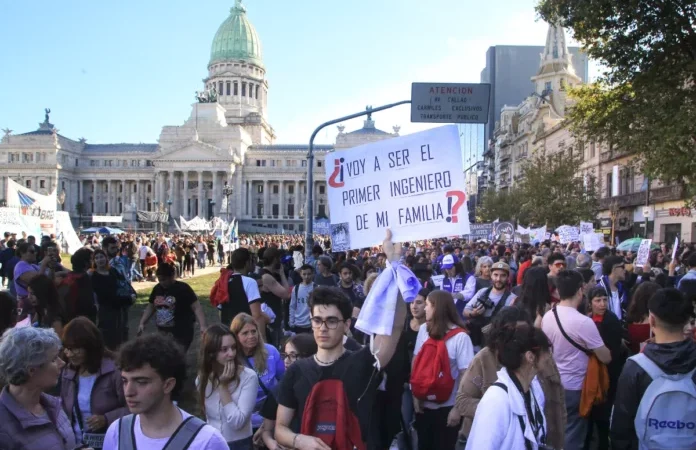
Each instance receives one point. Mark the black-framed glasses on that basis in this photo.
(330, 322)
(293, 356)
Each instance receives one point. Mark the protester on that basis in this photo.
(243, 291)
(611, 332)
(668, 354)
(323, 276)
(437, 422)
(8, 312)
(348, 375)
(226, 387)
(300, 346)
(24, 271)
(535, 296)
(483, 273)
(263, 358)
(174, 305)
(569, 330)
(109, 316)
(153, 369)
(276, 291)
(30, 419)
(613, 275)
(124, 290)
(91, 390)
(487, 302)
(299, 314)
(511, 412)
(43, 297)
(638, 315)
(75, 291)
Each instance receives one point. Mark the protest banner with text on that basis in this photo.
(413, 185)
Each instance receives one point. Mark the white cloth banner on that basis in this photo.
(413, 184)
(12, 221)
(537, 234)
(643, 252)
(33, 204)
(65, 233)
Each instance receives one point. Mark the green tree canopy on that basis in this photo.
(645, 101)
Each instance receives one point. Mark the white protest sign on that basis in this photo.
(586, 228)
(643, 252)
(412, 184)
(538, 234)
(674, 249)
(592, 241)
(437, 280)
(568, 234)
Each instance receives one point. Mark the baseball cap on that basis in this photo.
(500, 266)
(448, 262)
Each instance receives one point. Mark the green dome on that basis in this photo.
(236, 39)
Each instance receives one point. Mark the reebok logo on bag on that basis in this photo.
(431, 377)
(665, 416)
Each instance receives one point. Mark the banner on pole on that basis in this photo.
(413, 185)
(33, 204)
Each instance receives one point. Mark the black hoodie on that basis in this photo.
(677, 357)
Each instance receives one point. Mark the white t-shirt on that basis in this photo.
(143, 251)
(615, 305)
(84, 395)
(460, 352)
(208, 438)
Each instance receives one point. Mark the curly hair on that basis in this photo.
(26, 348)
(163, 354)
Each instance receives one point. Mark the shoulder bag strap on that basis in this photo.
(77, 414)
(184, 435)
(500, 303)
(565, 335)
(263, 386)
(652, 369)
(126, 432)
(527, 444)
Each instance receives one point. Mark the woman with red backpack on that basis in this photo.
(443, 352)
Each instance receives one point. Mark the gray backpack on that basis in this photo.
(180, 440)
(666, 417)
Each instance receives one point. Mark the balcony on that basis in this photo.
(505, 155)
(613, 154)
(657, 195)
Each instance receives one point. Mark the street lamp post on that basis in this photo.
(309, 226)
(227, 190)
(156, 205)
(169, 211)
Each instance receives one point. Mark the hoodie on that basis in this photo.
(674, 358)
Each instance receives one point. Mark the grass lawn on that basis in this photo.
(201, 286)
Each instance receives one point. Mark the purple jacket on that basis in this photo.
(107, 394)
(21, 430)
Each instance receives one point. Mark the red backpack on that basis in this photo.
(219, 294)
(327, 415)
(431, 377)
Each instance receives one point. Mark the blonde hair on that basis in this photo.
(260, 354)
(369, 281)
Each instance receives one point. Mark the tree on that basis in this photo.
(645, 101)
(552, 193)
(503, 205)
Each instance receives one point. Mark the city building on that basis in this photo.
(226, 140)
(537, 125)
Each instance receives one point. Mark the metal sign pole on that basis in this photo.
(309, 213)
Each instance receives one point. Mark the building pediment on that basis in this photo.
(196, 151)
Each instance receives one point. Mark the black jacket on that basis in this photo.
(678, 357)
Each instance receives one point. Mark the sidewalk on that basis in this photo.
(148, 285)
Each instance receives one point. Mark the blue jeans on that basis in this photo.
(134, 270)
(407, 411)
(576, 426)
(201, 260)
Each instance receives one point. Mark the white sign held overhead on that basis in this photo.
(674, 249)
(643, 252)
(586, 228)
(411, 184)
(450, 102)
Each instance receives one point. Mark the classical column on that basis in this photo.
(266, 198)
(185, 196)
(201, 201)
(247, 200)
(81, 192)
(170, 193)
(282, 209)
(216, 194)
(297, 203)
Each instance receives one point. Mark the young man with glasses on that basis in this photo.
(613, 277)
(357, 372)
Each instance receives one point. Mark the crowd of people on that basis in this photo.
(438, 344)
